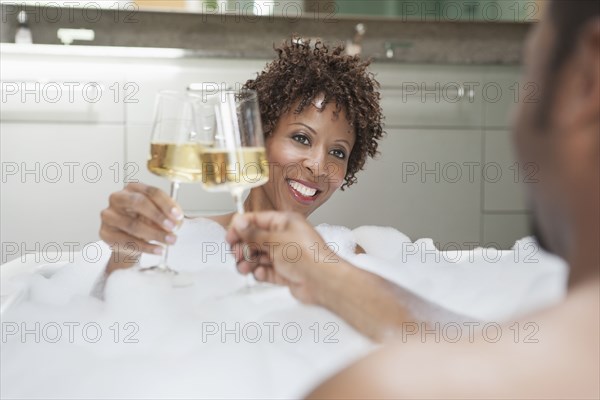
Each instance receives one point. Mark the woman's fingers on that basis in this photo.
(134, 203)
(136, 218)
(137, 215)
(137, 227)
(126, 245)
(165, 204)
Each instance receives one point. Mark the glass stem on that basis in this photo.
(239, 204)
(237, 197)
(173, 194)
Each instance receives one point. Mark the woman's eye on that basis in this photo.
(301, 139)
(338, 153)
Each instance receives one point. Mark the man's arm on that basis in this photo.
(374, 306)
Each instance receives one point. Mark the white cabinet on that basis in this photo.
(431, 96)
(61, 89)
(62, 149)
(55, 180)
(501, 92)
(502, 229)
(505, 215)
(148, 77)
(503, 183)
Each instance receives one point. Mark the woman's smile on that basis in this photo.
(302, 191)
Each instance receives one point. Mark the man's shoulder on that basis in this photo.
(551, 354)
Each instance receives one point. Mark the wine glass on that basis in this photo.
(236, 161)
(175, 146)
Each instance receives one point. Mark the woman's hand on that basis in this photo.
(135, 216)
(283, 248)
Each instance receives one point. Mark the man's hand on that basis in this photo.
(282, 248)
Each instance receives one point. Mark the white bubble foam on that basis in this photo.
(148, 339)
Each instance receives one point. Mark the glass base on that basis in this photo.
(252, 286)
(178, 280)
(160, 269)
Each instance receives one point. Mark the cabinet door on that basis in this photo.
(504, 180)
(503, 230)
(505, 218)
(431, 96)
(54, 88)
(425, 183)
(502, 91)
(56, 178)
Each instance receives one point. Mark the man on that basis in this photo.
(561, 134)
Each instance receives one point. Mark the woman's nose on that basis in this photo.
(315, 162)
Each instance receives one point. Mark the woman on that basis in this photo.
(322, 119)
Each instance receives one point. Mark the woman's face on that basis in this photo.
(308, 155)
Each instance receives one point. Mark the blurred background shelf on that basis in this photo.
(233, 30)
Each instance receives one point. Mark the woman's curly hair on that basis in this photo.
(301, 72)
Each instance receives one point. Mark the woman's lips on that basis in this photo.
(302, 192)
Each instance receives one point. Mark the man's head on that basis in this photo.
(559, 134)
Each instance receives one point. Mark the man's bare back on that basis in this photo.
(513, 367)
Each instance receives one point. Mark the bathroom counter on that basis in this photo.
(250, 36)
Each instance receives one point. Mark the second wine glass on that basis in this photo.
(236, 160)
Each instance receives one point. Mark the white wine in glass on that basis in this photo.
(176, 162)
(234, 170)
